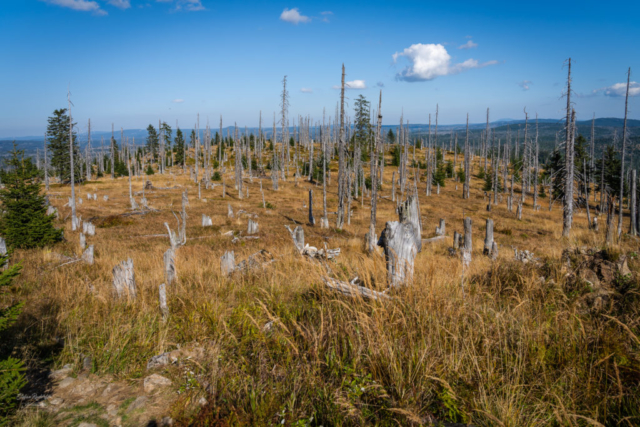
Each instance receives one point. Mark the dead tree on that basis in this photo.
(342, 172)
(586, 189)
(164, 308)
(83, 241)
(370, 238)
(227, 263)
(440, 229)
(72, 171)
(312, 220)
(467, 165)
(401, 241)
(252, 227)
(633, 227)
(624, 146)
(206, 221)
(488, 237)
(124, 281)
(87, 255)
(298, 237)
(229, 211)
(468, 243)
(169, 258)
(567, 212)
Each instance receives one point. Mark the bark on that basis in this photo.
(124, 281)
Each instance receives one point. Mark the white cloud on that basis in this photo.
(188, 5)
(620, 89)
(293, 16)
(525, 84)
(306, 90)
(326, 15)
(122, 4)
(468, 45)
(178, 101)
(429, 61)
(353, 84)
(81, 5)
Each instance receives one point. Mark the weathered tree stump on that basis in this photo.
(519, 211)
(227, 263)
(169, 258)
(164, 308)
(88, 228)
(488, 237)
(324, 222)
(206, 221)
(87, 255)
(105, 198)
(252, 227)
(467, 249)
(494, 251)
(298, 237)
(52, 211)
(229, 211)
(312, 220)
(456, 240)
(594, 224)
(83, 241)
(440, 230)
(124, 281)
(400, 245)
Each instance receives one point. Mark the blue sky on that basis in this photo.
(132, 62)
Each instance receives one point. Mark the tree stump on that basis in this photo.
(252, 227)
(124, 281)
(324, 222)
(83, 241)
(312, 220)
(229, 211)
(488, 237)
(456, 240)
(401, 246)
(440, 230)
(298, 237)
(206, 221)
(228, 263)
(169, 258)
(87, 255)
(105, 198)
(467, 249)
(164, 308)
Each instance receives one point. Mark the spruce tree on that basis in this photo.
(58, 145)
(152, 141)
(11, 377)
(24, 222)
(178, 147)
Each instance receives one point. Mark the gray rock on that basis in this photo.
(87, 425)
(66, 382)
(155, 381)
(60, 374)
(56, 401)
(139, 403)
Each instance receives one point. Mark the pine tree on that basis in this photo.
(391, 138)
(24, 222)
(178, 147)
(166, 131)
(11, 377)
(58, 145)
(152, 141)
(362, 131)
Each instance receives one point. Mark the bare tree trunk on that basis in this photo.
(72, 172)
(567, 213)
(624, 146)
(341, 160)
(312, 220)
(586, 187)
(633, 228)
(467, 165)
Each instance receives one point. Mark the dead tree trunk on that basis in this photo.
(87, 255)
(170, 266)
(567, 212)
(468, 243)
(298, 237)
(488, 237)
(633, 227)
(624, 146)
(401, 241)
(342, 173)
(227, 263)
(440, 230)
(164, 308)
(312, 220)
(124, 281)
(252, 227)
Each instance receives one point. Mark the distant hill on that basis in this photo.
(547, 129)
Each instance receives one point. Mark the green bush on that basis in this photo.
(149, 170)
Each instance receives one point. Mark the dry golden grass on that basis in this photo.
(511, 350)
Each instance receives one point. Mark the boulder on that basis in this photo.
(154, 382)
